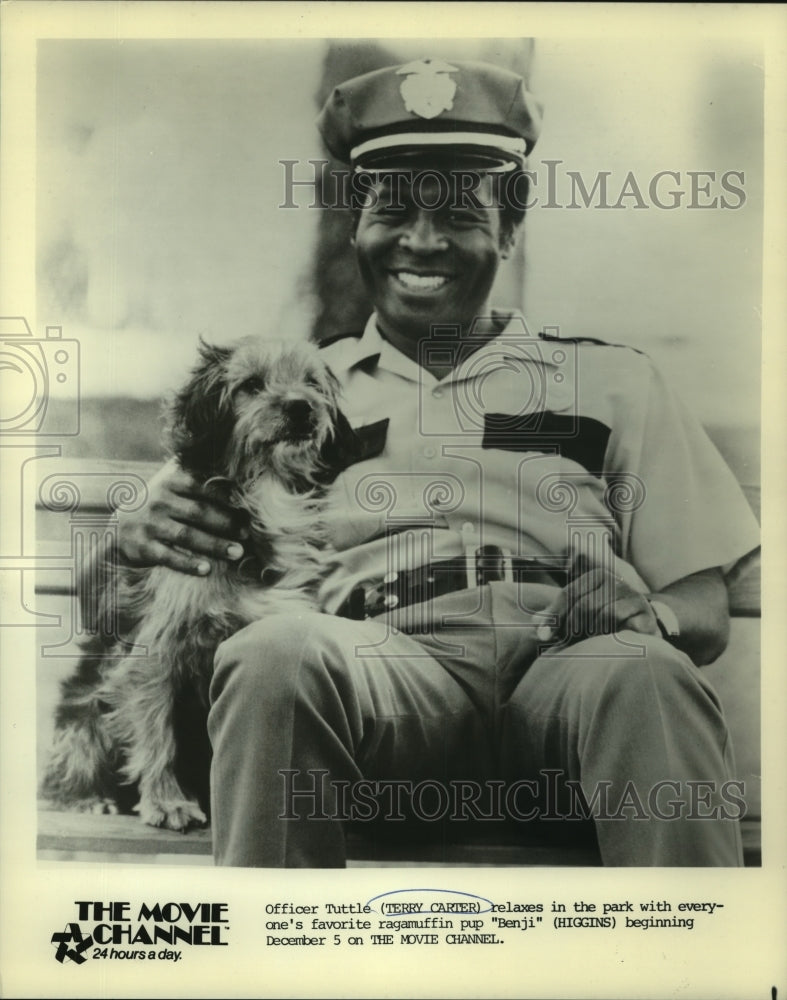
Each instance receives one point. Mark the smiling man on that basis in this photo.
(529, 545)
(428, 250)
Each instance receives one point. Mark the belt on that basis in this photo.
(487, 564)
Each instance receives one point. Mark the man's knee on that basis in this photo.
(275, 656)
(645, 673)
(627, 668)
(633, 660)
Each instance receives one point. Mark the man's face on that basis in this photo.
(423, 265)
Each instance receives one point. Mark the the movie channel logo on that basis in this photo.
(114, 930)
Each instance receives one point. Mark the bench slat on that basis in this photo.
(81, 831)
(70, 833)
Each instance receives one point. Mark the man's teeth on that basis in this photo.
(422, 282)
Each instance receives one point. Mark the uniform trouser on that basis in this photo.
(304, 706)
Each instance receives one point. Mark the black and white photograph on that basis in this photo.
(385, 405)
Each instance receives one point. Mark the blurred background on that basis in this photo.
(159, 218)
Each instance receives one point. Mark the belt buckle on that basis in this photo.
(471, 566)
(507, 565)
(482, 572)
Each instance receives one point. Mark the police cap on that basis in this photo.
(469, 110)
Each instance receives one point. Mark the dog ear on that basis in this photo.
(201, 418)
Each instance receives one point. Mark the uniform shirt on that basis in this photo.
(528, 444)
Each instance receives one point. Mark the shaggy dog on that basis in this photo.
(258, 424)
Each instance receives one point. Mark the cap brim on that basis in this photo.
(443, 150)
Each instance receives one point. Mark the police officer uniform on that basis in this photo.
(452, 531)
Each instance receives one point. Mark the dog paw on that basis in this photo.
(173, 815)
(104, 807)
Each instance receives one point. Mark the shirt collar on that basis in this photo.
(374, 351)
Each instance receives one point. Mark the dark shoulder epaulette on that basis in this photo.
(584, 340)
(357, 334)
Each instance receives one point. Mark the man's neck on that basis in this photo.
(458, 347)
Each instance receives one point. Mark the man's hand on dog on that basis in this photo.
(178, 527)
(597, 601)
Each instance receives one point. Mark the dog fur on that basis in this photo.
(259, 424)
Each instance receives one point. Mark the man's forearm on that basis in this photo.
(701, 606)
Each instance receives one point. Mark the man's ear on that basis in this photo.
(507, 242)
(355, 218)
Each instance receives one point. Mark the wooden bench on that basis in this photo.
(74, 503)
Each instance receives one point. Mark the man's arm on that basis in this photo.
(597, 601)
(177, 527)
(701, 605)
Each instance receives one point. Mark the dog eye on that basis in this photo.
(251, 384)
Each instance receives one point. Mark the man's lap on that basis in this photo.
(473, 699)
(470, 662)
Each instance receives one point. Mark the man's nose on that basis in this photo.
(422, 234)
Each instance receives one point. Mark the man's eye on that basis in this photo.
(463, 217)
(389, 211)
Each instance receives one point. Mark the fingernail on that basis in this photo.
(234, 551)
(203, 568)
(544, 633)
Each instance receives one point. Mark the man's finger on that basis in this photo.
(552, 616)
(205, 515)
(580, 565)
(162, 555)
(600, 613)
(594, 579)
(590, 554)
(562, 608)
(644, 622)
(591, 613)
(192, 540)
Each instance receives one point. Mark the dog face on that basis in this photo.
(258, 406)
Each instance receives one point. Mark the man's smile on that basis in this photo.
(416, 281)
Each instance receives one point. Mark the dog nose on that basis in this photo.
(297, 410)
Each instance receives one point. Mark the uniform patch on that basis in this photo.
(351, 445)
(581, 439)
(372, 438)
(362, 443)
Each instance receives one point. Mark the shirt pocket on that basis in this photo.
(579, 439)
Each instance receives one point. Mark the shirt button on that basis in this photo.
(429, 452)
(437, 393)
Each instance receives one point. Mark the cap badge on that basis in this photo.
(427, 90)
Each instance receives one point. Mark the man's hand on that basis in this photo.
(178, 527)
(597, 601)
